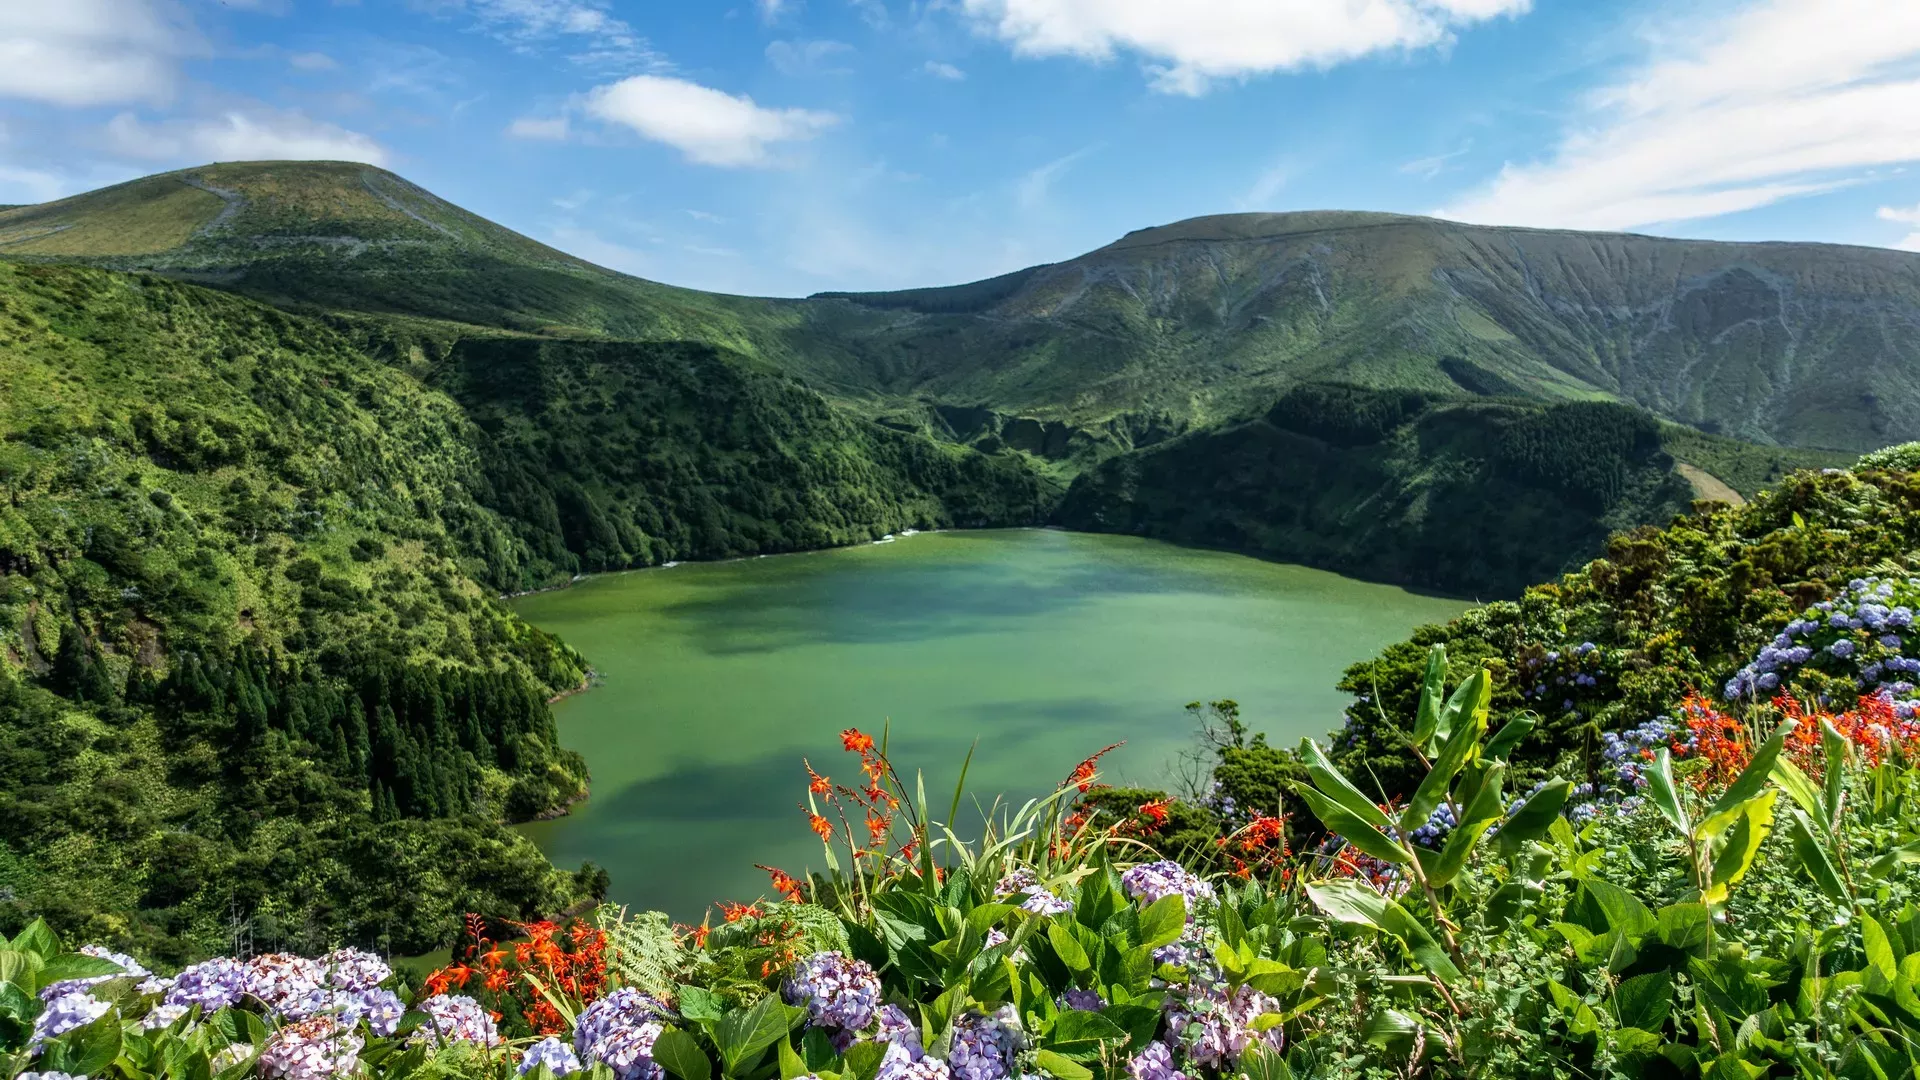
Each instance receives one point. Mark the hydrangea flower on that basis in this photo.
(896, 1027)
(163, 1016)
(455, 1018)
(1084, 1000)
(557, 1056)
(838, 992)
(1151, 882)
(1226, 1029)
(1040, 901)
(129, 969)
(213, 984)
(354, 969)
(282, 980)
(984, 1045)
(48, 1076)
(153, 985)
(311, 1050)
(1154, 1062)
(619, 1031)
(900, 1064)
(66, 1013)
(1861, 633)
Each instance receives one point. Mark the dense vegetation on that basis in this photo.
(1471, 497)
(255, 677)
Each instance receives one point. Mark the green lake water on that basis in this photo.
(1041, 645)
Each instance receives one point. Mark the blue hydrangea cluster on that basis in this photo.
(211, 984)
(619, 1031)
(66, 1013)
(1861, 634)
(1434, 832)
(557, 1056)
(312, 1049)
(1557, 680)
(1221, 803)
(1154, 1062)
(1039, 900)
(839, 992)
(984, 1045)
(455, 1018)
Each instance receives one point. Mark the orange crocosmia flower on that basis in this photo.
(1156, 810)
(856, 741)
(735, 912)
(877, 828)
(1083, 773)
(497, 980)
(817, 784)
(819, 824)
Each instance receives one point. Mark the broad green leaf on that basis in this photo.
(700, 1005)
(85, 1051)
(1389, 1027)
(863, 1060)
(1069, 950)
(1755, 818)
(1261, 1062)
(18, 967)
(1474, 823)
(1623, 910)
(1358, 832)
(1338, 789)
(1085, 1035)
(1352, 902)
(1432, 688)
(742, 1033)
(1471, 697)
(1061, 1067)
(1799, 787)
(1807, 844)
(1163, 921)
(1644, 1000)
(1880, 955)
(680, 1054)
(1534, 818)
(38, 938)
(1665, 797)
(73, 966)
(1754, 776)
(1503, 743)
(1460, 746)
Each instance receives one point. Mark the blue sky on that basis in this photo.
(790, 146)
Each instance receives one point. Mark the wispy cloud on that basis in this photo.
(595, 36)
(1905, 216)
(1778, 99)
(258, 134)
(1189, 44)
(1259, 195)
(1037, 184)
(807, 57)
(710, 219)
(940, 69)
(1427, 168)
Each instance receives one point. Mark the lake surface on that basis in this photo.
(1042, 645)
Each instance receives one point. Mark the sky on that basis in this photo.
(784, 147)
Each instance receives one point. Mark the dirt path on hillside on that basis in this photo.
(1708, 486)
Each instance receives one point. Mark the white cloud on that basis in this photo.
(1778, 99)
(535, 127)
(1034, 187)
(806, 57)
(90, 52)
(19, 185)
(241, 135)
(1259, 195)
(706, 216)
(709, 126)
(1190, 43)
(1907, 216)
(773, 9)
(312, 61)
(941, 70)
(1427, 168)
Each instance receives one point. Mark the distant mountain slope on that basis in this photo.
(1809, 344)
(1186, 324)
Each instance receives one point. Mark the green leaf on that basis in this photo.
(1068, 949)
(1534, 818)
(1352, 902)
(1813, 855)
(1062, 1067)
(1838, 750)
(1468, 704)
(863, 1059)
(73, 966)
(1665, 797)
(1262, 1062)
(680, 1054)
(1460, 746)
(1880, 956)
(816, 1049)
(1644, 1000)
(18, 967)
(1623, 910)
(1507, 739)
(1357, 832)
(1334, 784)
(1754, 776)
(700, 1005)
(1389, 1028)
(1082, 1035)
(742, 1033)
(1474, 823)
(1427, 723)
(1752, 820)
(1163, 921)
(1799, 787)
(85, 1051)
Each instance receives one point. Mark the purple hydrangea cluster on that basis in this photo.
(1039, 900)
(619, 1031)
(129, 969)
(212, 984)
(66, 1013)
(839, 992)
(48, 1076)
(1624, 757)
(895, 1026)
(455, 1018)
(1084, 1000)
(354, 969)
(557, 1056)
(984, 1045)
(1151, 882)
(381, 1009)
(163, 1016)
(282, 981)
(1220, 803)
(1564, 675)
(901, 1063)
(1226, 1024)
(1154, 1062)
(311, 1050)
(1859, 634)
